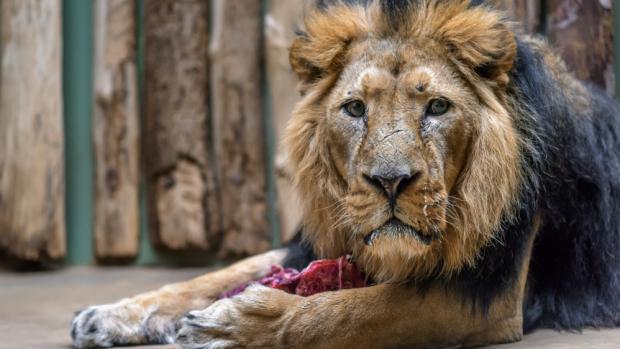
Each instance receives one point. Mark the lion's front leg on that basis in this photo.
(152, 317)
(383, 316)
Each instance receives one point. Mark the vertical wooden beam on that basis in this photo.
(281, 21)
(526, 12)
(115, 130)
(583, 33)
(32, 224)
(236, 53)
(183, 210)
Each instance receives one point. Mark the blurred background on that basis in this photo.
(146, 132)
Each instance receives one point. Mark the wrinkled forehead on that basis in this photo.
(377, 66)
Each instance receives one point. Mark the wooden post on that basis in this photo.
(583, 33)
(183, 210)
(32, 225)
(236, 53)
(526, 12)
(283, 18)
(115, 130)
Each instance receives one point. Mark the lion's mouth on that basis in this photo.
(396, 228)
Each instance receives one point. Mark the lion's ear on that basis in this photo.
(321, 48)
(481, 40)
(304, 62)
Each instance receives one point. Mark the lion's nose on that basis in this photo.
(392, 182)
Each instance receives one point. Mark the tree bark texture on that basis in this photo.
(32, 225)
(526, 12)
(182, 198)
(115, 130)
(583, 33)
(236, 53)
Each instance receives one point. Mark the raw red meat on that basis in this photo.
(319, 276)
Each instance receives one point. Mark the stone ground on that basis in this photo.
(36, 308)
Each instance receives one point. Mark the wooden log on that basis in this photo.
(115, 130)
(236, 53)
(526, 12)
(583, 33)
(32, 225)
(183, 207)
(283, 18)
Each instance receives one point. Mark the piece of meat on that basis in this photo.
(319, 276)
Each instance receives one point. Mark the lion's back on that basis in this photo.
(574, 277)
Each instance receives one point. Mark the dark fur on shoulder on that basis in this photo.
(575, 268)
(574, 277)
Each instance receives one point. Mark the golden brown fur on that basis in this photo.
(455, 38)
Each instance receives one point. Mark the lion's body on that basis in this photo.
(574, 276)
(472, 177)
(573, 197)
(570, 200)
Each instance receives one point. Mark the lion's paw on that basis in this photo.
(249, 320)
(120, 323)
(211, 328)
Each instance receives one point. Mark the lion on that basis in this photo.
(471, 177)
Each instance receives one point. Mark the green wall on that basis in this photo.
(77, 100)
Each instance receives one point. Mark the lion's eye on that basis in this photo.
(438, 107)
(355, 108)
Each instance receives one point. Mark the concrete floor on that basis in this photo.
(36, 308)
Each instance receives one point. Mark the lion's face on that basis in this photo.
(397, 130)
(383, 148)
